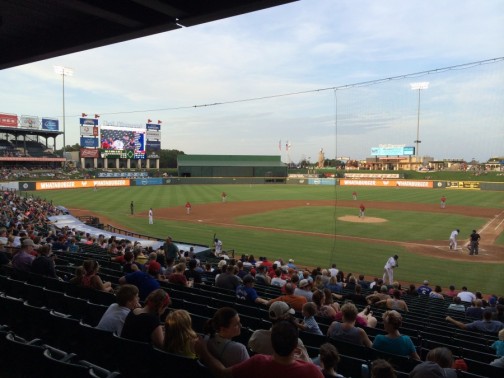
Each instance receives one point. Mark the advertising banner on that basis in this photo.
(153, 126)
(89, 121)
(392, 150)
(87, 130)
(388, 183)
(9, 120)
(123, 174)
(29, 122)
(50, 124)
(475, 185)
(89, 153)
(49, 185)
(153, 134)
(87, 142)
(148, 181)
(153, 145)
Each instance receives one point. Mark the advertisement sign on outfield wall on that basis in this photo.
(475, 185)
(388, 183)
(79, 184)
(148, 181)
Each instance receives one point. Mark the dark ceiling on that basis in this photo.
(33, 30)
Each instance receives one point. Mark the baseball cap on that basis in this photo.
(27, 242)
(291, 260)
(222, 263)
(279, 310)
(426, 282)
(154, 267)
(303, 283)
(248, 278)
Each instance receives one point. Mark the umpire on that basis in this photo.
(474, 243)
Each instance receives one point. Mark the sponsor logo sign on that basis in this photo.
(49, 185)
(50, 124)
(153, 134)
(9, 120)
(29, 122)
(88, 142)
(89, 121)
(89, 153)
(88, 130)
(153, 126)
(388, 183)
(475, 185)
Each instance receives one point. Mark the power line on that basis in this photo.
(464, 66)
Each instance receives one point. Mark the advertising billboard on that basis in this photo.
(88, 142)
(122, 142)
(50, 124)
(88, 121)
(392, 150)
(29, 122)
(9, 120)
(88, 130)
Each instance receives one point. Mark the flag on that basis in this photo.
(280, 145)
(149, 121)
(97, 116)
(159, 122)
(84, 115)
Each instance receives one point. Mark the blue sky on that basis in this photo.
(298, 47)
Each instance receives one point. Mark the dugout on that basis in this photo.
(231, 166)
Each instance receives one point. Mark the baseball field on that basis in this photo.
(319, 225)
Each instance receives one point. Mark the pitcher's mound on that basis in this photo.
(354, 218)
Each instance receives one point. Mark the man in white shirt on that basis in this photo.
(388, 269)
(453, 239)
(466, 296)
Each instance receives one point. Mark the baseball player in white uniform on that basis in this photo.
(453, 239)
(388, 269)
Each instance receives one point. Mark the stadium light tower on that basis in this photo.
(419, 87)
(63, 71)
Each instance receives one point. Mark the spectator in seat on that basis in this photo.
(44, 262)
(260, 341)
(23, 259)
(282, 362)
(444, 358)
(295, 301)
(225, 325)
(179, 337)
(486, 325)
(87, 276)
(145, 282)
(475, 311)
(143, 324)
(456, 305)
(347, 330)
(192, 272)
(382, 369)
(393, 342)
(115, 315)
(228, 279)
(178, 277)
(394, 303)
(329, 359)
(247, 293)
(465, 295)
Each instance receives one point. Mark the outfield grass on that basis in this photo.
(351, 256)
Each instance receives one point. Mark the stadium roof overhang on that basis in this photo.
(33, 30)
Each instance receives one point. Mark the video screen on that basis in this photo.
(122, 142)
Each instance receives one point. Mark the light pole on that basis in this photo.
(419, 87)
(63, 71)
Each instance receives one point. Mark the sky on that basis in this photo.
(285, 76)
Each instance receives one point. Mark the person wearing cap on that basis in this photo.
(388, 269)
(453, 239)
(291, 264)
(304, 290)
(474, 239)
(425, 289)
(23, 259)
(247, 293)
(283, 361)
(115, 315)
(486, 325)
(260, 340)
(146, 282)
(294, 301)
(143, 323)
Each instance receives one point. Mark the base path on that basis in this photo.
(225, 214)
